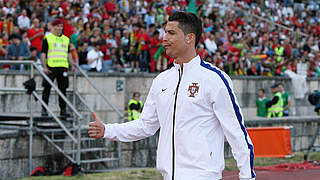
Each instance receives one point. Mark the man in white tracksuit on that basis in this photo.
(194, 106)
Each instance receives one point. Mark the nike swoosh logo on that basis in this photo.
(164, 89)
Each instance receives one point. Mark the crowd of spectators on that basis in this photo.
(125, 35)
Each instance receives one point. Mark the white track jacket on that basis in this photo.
(194, 107)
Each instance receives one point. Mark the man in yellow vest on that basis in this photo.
(279, 50)
(134, 107)
(275, 106)
(55, 61)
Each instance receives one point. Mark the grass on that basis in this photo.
(137, 174)
(153, 174)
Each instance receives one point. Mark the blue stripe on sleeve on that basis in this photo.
(236, 109)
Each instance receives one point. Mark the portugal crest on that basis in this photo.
(193, 89)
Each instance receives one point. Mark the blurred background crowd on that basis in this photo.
(243, 38)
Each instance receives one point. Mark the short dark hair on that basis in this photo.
(188, 23)
(261, 90)
(155, 32)
(96, 43)
(136, 94)
(32, 48)
(14, 36)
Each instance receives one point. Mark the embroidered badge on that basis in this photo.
(193, 89)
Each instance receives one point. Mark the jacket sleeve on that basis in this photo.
(26, 53)
(228, 112)
(10, 52)
(272, 102)
(147, 125)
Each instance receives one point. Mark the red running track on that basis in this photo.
(308, 174)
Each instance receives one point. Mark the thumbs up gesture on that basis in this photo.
(96, 128)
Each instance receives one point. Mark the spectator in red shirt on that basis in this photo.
(144, 41)
(154, 43)
(287, 49)
(202, 52)
(35, 35)
(3, 46)
(169, 9)
(7, 24)
(110, 7)
(65, 7)
(68, 27)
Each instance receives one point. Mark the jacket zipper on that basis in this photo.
(173, 123)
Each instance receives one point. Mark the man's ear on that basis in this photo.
(189, 38)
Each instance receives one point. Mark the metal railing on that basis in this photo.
(93, 113)
(76, 94)
(31, 128)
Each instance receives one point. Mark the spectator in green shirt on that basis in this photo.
(286, 100)
(261, 104)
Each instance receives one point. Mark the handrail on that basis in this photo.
(55, 88)
(47, 79)
(121, 115)
(86, 104)
(57, 147)
(34, 65)
(55, 117)
(286, 119)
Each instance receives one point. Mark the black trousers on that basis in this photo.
(63, 83)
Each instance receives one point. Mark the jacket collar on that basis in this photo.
(193, 62)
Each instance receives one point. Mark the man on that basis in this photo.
(194, 106)
(134, 107)
(94, 59)
(35, 35)
(34, 57)
(275, 105)
(24, 21)
(211, 45)
(18, 50)
(286, 100)
(143, 48)
(55, 62)
(7, 24)
(261, 104)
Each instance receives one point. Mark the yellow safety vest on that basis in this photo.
(57, 50)
(279, 52)
(132, 113)
(276, 110)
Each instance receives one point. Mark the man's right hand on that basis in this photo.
(46, 70)
(96, 129)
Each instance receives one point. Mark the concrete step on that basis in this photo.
(99, 160)
(69, 140)
(85, 150)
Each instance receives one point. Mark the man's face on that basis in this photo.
(36, 23)
(24, 12)
(280, 88)
(273, 90)
(58, 28)
(33, 53)
(137, 97)
(260, 93)
(16, 41)
(96, 47)
(174, 40)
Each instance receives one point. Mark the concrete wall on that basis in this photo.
(245, 89)
(138, 154)
(14, 154)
